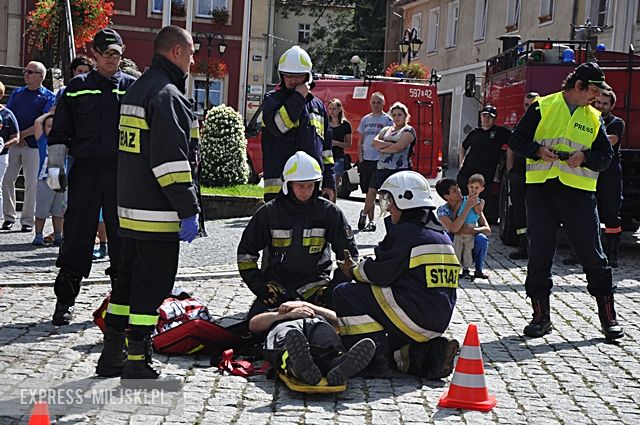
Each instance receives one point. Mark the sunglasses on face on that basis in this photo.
(29, 72)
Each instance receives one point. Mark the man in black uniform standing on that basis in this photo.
(609, 188)
(86, 126)
(480, 150)
(518, 190)
(565, 144)
(157, 208)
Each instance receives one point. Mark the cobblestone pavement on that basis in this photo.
(570, 376)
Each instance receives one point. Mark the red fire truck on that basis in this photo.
(541, 66)
(420, 97)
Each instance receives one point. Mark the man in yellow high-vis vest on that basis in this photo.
(565, 144)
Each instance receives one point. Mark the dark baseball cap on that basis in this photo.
(491, 110)
(106, 39)
(591, 73)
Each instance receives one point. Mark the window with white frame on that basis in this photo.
(598, 12)
(546, 11)
(452, 24)
(513, 15)
(156, 5)
(304, 33)
(416, 22)
(200, 93)
(480, 26)
(204, 7)
(434, 30)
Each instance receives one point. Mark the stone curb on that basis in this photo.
(223, 206)
(99, 280)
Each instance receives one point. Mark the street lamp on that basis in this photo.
(222, 46)
(410, 44)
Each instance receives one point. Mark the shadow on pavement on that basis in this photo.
(27, 332)
(516, 348)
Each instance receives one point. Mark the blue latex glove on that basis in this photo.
(188, 228)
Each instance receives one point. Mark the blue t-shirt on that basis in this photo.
(42, 150)
(27, 105)
(8, 127)
(472, 217)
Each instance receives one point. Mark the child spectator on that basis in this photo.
(303, 341)
(48, 201)
(463, 240)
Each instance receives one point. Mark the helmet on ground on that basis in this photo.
(301, 167)
(295, 61)
(491, 110)
(409, 190)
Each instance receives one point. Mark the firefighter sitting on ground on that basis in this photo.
(303, 343)
(294, 232)
(403, 298)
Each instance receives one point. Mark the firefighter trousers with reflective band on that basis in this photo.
(517, 194)
(147, 274)
(324, 343)
(609, 193)
(550, 204)
(92, 185)
(360, 316)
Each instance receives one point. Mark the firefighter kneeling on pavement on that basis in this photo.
(296, 232)
(403, 298)
(157, 208)
(563, 138)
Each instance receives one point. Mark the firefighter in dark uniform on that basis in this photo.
(86, 126)
(480, 150)
(296, 232)
(408, 291)
(609, 188)
(295, 120)
(517, 191)
(157, 208)
(565, 144)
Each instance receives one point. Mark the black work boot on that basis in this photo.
(607, 314)
(66, 288)
(541, 323)
(299, 362)
(114, 355)
(440, 358)
(138, 373)
(613, 239)
(63, 313)
(353, 361)
(521, 253)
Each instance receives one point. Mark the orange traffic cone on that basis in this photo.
(468, 389)
(40, 414)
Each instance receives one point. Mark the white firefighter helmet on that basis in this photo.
(301, 167)
(295, 61)
(408, 189)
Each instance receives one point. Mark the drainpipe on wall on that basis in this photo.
(166, 13)
(244, 58)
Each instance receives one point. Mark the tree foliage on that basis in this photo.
(359, 30)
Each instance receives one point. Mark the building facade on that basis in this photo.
(460, 35)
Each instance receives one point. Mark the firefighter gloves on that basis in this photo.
(188, 228)
(272, 294)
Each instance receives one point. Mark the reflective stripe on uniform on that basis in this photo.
(357, 325)
(313, 236)
(522, 231)
(272, 185)
(133, 110)
(143, 319)
(247, 262)
(173, 172)
(133, 122)
(394, 312)
(327, 157)
(118, 309)
(81, 93)
(308, 290)
(280, 238)
(194, 133)
(148, 221)
(359, 273)
(317, 122)
(116, 91)
(469, 380)
(441, 254)
(283, 121)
